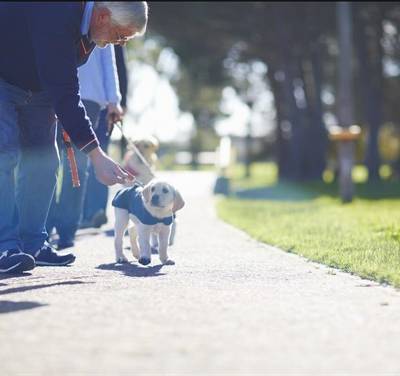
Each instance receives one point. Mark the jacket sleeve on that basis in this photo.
(53, 39)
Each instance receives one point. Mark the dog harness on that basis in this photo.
(131, 199)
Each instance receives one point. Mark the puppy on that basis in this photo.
(148, 147)
(151, 209)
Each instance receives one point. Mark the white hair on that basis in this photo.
(127, 13)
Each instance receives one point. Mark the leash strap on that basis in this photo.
(136, 150)
(71, 159)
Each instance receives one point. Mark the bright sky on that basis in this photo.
(153, 107)
(262, 118)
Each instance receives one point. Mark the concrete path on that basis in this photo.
(230, 306)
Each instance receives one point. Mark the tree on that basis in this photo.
(298, 43)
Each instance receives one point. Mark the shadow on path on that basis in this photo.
(41, 286)
(14, 275)
(133, 270)
(7, 306)
(83, 233)
(80, 234)
(109, 232)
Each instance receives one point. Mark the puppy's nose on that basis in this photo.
(155, 200)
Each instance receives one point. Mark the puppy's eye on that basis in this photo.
(165, 190)
(153, 188)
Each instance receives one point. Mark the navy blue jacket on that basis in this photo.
(41, 50)
(131, 200)
(122, 72)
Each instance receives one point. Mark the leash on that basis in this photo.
(71, 159)
(136, 151)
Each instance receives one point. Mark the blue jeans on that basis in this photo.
(96, 193)
(28, 164)
(65, 213)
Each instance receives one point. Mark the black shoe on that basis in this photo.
(65, 244)
(47, 256)
(15, 261)
(99, 219)
(86, 224)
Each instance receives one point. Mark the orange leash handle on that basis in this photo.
(72, 161)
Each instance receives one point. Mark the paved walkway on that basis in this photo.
(230, 306)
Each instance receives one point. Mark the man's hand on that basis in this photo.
(107, 171)
(115, 113)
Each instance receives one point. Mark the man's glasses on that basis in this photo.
(120, 39)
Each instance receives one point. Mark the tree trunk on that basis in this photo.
(370, 62)
(292, 119)
(317, 135)
(345, 99)
(282, 140)
(195, 143)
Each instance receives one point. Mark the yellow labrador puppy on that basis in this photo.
(148, 147)
(152, 209)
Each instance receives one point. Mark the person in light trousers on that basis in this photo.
(96, 196)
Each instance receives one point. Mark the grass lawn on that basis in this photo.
(362, 237)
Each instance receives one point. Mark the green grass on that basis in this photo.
(262, 174)
(362, 237)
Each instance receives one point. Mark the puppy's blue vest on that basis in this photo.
(131, 200)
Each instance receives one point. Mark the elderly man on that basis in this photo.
(99, 88)
(45, 43)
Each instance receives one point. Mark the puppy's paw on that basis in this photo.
(168, 262)
(121, 260)
(135, 253)
(144, 261)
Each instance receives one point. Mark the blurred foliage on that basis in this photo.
(217, 43)
(389, 142)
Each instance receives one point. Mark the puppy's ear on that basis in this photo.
(147, 192)
(178, 201)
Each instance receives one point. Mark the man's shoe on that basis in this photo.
(65, 244)
(15, 261)
(47, 256)
(99, 219)
(86, 224)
